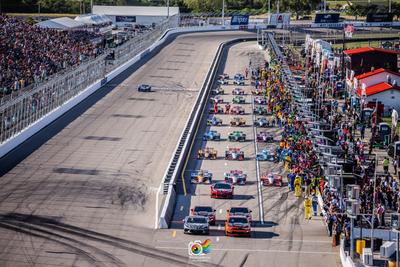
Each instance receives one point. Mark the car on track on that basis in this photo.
(266, 155)
(222, 190)
(272, 179)
(261, 111)
(205, 211)
(222, 81)
(207, 153)
(238, 91)
(201, 176)
(237, 226)
(224, 76)
(257, 92)
(239, 211)
(265, 137)
(216, 110)
(212, 135)
(236, 121)
(214, 121)
(238, 100)
(234, 154)
(217, 91)
(262, 122)
(144, 88)
(237, 110)
(238, 79)
(260, 100)
(216, 99)
(235, 177)
(196, 225)
(237, 136)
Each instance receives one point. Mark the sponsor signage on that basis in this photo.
(280, 19)
(125, 18)
(327, 18)
(380, 17)
(240, 20)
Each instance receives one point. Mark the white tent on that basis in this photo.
(93, 19)
(63, 23)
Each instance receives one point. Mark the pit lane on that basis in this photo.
(281, 236)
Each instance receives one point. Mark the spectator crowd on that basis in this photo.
(29, 54)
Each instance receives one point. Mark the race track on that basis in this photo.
(86, 196)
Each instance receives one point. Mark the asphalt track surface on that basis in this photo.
(86, 196)
(280, 234)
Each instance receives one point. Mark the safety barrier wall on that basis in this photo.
(68, 98)
(176, 164)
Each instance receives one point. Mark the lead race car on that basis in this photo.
(235, 177)
(272, 179)
(201, 176)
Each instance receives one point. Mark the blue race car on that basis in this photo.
(211, 135)
(266, 155)
(214, 121)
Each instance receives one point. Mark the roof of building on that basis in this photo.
(63, 23)
(378, 88)
(135, 10)
(361, 50)
(374, 72)
(93, 19)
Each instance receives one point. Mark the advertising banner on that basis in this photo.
(240, 20)
(380, 17)
(327, 18)
(125, 19)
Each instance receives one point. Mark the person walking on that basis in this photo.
(394, 162)
(386, 165)
(307, 207)
(314, 200)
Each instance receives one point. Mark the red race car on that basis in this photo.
(222, 190)
(205, 211)
(272, 179)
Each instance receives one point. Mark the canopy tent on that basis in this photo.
(63, 23)
(93, 19)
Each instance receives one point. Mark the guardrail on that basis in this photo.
(183, 148)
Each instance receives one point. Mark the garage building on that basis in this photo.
(142, 15)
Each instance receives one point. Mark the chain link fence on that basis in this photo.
(25, 107)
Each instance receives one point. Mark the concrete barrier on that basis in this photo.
(35, 127)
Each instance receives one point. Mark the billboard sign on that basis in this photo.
(240, 20)
(380, 17)
(280, 19)
(125, 19)
(327, 18)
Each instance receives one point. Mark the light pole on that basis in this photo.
(223, 12)
(269, 11)
(167, 8)
(91, 6)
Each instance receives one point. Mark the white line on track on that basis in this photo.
(257, 250)
(260, 198)
(267, 240)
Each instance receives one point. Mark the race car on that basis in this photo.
(237, 226)
(205, 211)
(144, 88)
(237, 110)
(261, 111)
(272, 179)
(216, 110)
(214, 121)
(201, 176)
(224, 76)
(234, 154)
(260, 100)
(217, 91)
(262, 122)
(257, 92)
(207, 153)
(212, 135)
(236, 121)
(266, 155)
(238, 100)
(239, 211)
(235, 177)
(222, 81)
(237, 136)
(238, 79)
(216, 99)
(265, 137)
(237, 91)
(222, 190)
